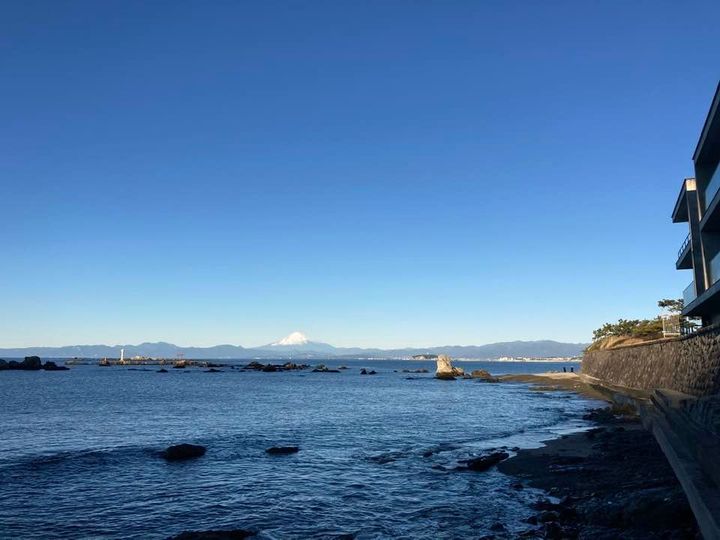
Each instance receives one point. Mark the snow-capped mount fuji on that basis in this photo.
(297, 342)
(296, 338)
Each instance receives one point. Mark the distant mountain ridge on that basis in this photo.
(296, 345)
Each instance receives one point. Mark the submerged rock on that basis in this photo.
(183, 451)
(483, 463)
(235, 534)
(52, 366)
(283, 450)
(162, 370)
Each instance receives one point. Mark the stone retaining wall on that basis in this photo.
(689, 364)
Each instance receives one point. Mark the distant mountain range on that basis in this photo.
(297, 346)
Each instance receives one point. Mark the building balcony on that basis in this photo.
(689, 294)
(713, 186)
(707, 303)
(684, 260)
(711, 216)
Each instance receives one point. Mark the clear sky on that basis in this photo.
(370, 173)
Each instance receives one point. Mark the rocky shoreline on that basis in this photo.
(610, 482)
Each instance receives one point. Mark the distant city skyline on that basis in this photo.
(383, 175)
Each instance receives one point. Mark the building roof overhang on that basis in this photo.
(708, 145)
(680, 212)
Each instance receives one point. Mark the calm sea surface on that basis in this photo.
(78, 451)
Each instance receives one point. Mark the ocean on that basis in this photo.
(379, 454)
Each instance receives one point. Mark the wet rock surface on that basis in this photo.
(483, 463)
(607, 483)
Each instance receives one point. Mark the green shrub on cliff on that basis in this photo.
(629, 331)
(640, 328)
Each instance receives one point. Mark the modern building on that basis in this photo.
(699, 205)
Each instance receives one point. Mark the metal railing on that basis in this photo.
(684, 246)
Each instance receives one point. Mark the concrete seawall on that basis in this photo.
(690, 365)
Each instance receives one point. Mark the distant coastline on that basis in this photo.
(539, 350)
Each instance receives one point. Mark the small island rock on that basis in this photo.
(445, 369)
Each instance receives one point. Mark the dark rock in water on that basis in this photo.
(445, 376)
(31, 363)
(553, 531)
(183, 451)
(364, 371)
(548, 515)
(235, 534)
(322, 368)
(269, 368)
(498, 527)
(483, 463)
(213, 370)
(52, 366)
(483, 375)
(179, 366)
(162, 370)
(283, 450)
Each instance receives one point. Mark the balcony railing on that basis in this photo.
(684, 246)
(689, 294)
(715, 269)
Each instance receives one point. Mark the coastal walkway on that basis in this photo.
(687, 428)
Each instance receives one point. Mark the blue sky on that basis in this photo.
(371, 173)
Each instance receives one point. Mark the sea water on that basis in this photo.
(380, 455)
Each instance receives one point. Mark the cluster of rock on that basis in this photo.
(31, 363)
(287, 366)
(185, 451)
(364, 371)
(447, 372)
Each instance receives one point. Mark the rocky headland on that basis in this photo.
(30, 363)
